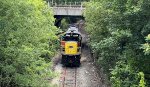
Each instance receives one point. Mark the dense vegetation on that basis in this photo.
(27, 43)
(68, 21)
(120, 38)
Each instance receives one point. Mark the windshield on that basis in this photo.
(69, 37)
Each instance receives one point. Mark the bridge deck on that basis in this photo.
(71, 10)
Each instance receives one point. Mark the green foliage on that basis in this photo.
(142, 80)
(117, 28)
(26, 27)
(64, 24)
(146, 46)
(123, 76)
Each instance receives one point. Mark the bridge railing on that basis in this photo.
(66, 4)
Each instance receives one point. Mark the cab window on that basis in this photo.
(69, 37)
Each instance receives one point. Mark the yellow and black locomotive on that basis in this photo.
(71, 47)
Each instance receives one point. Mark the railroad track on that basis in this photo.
(68, 77)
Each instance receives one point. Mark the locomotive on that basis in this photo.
(71, 47)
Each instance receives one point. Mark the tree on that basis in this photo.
(117, 29)
(26, 27)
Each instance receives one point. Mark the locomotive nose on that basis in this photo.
(71, 48)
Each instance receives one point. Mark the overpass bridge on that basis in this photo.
(67, 8)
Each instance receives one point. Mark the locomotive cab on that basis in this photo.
(71, 47)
